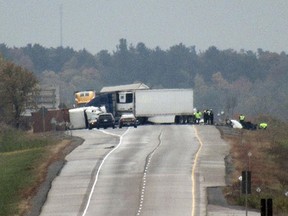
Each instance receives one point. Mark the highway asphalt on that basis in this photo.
(209, 174)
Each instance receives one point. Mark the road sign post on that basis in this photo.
(246, 187)
(246, 182)
(266, 207)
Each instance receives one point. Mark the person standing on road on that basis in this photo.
(205, 116)
(211, 117)
(198, 116)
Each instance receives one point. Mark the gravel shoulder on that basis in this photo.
(217, 204)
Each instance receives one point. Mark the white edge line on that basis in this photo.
(97, 174)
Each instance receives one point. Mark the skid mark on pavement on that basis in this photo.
(147, 164)
(193, 171)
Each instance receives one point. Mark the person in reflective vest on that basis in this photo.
(241, 118)
(198, 116)
(263, 125)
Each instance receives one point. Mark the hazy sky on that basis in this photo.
(99, 24)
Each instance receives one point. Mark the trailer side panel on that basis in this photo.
(150, 103)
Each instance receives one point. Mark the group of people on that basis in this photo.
(248, 125)
(207, 116)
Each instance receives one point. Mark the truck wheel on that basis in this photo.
(182, 119)
(177, 119)
(190, 120)
(185, 120)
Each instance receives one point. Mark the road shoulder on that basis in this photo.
(53, 170)
(213, 167)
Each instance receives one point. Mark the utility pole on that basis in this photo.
(61, 25)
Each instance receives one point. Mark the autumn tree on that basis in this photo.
(16, 86)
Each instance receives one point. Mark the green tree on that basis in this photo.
(16, 86)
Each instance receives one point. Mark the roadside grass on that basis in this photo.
(15, 140)
(17, 172)
(268, 166)
(21, 154)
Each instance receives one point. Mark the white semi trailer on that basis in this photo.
(164, 105)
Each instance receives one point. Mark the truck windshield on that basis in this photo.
(125, 98)
(129, 98)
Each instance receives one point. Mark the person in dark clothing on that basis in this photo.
(249, 125)
(211, 117)
(205, 117)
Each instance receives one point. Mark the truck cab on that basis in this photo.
(125, 102)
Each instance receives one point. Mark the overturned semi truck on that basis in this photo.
(149, 105)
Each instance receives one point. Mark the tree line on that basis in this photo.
(253, 83)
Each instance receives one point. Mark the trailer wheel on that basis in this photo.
(177, 119)
(189, 119)
(184, 120)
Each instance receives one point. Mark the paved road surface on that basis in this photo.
(151, 170)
